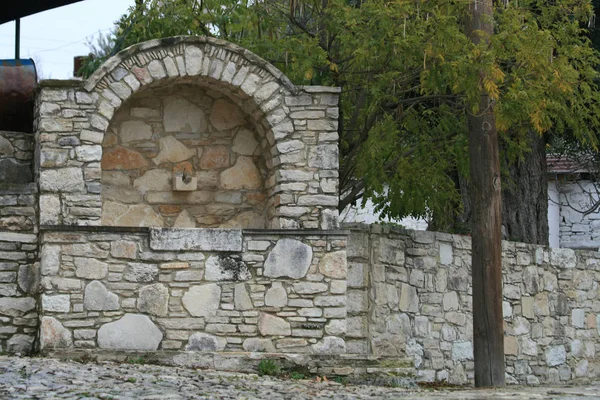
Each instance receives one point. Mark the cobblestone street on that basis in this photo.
(37, 378)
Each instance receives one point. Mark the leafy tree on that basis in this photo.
(410, 77)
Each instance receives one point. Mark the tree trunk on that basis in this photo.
(524, 198)
(525, 195)
(488, 324)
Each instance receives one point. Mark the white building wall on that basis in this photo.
(553, 214)
(578, 231)
(368, 215)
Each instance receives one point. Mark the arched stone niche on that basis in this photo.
(295, 129)
(186, 130)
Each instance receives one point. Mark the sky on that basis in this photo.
(52, 38)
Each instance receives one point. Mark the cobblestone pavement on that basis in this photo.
(37, 378)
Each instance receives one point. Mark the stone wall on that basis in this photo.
(577, 230)
(161, 135)
(18, 243)
(18, 207)
(16, 155)
(297, 128)
(18, 284)
(193, 289)
(410, 292)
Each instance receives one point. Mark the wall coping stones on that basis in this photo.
(135, 229)
(297, 232)
(210, 239)
(320, 89)
(59, 83)
(94, 228)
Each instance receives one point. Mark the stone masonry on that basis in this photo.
(296, 128)
(409, 292)
(162, 135)
(16, 154)
(18, 243)
(577, 230)
(184, 203)
(194, 290)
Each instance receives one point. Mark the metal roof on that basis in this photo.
(563, 165)
(22, 8)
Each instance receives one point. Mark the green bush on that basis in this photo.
(268, 367)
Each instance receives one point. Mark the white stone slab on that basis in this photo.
(196, 239)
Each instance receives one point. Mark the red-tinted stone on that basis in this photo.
(122, 158)
(214, 157)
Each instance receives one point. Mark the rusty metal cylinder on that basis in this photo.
(18, 79)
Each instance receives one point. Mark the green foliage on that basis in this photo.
(409, 76)
(296, 375)
(100, 51)
(136, 360)
(269, 368)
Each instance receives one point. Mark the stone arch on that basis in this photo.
(260, 86)
(296, 127)
(255, 85)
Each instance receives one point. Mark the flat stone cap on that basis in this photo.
(207, 239)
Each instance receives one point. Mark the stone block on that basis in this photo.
(154, 300)
(289, 258)
(563, 258)
(578, 318)
(62, 180)
(53, 335)
(270, 325)
(58, 303)
(193, 60)
(139, 272)
(527, 307)
(276, 296)
(19, 343)
(123, 249)
(243, 175)
(555, 355)
(258, 345)
(221, 268)
(333, 265)
(131, 332)
(98, 298)
(173, 151)
(450, 301)
(90, 268)
(88, 153)
(242, 300)
(329, 345)
(189, 276)
(329, 301)
(409, 300)
(16, 306)
(202, 300)
(229, 240)
(462, 351)
(205, 342)
(511, 346)
(446, 254)
(528, 346)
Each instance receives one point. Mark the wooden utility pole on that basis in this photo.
(488, 330)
